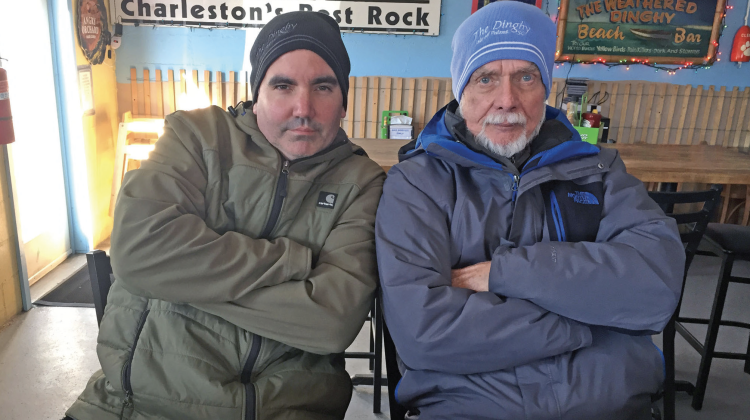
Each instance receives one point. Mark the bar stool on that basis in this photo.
(692, 225)
(731, 243)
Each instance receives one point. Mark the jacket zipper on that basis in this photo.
(516, 179)
(246, 378)
(277, 201)
(557, 217)
(127, 368)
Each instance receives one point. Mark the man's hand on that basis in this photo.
(474, 277)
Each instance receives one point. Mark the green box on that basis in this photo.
(588, 134)
(384, 131)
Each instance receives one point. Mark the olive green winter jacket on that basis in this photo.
(240, 278)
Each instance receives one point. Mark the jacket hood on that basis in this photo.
(436, 140)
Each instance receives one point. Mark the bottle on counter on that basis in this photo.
(592, 119)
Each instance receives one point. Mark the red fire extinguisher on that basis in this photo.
(6, 119)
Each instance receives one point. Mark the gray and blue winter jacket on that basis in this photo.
(584, 267)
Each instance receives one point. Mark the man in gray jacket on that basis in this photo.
(522, 269)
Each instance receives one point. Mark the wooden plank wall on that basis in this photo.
(663, 113)
(658, 113)
(183, 90)
(421, 97)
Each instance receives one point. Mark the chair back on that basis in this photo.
(100, 271)
(692, 224)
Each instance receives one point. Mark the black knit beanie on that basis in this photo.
(292, 31)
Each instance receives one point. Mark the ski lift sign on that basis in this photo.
(402, 17)
(655, 31)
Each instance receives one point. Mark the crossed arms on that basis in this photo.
(522, 305)
(162, 248)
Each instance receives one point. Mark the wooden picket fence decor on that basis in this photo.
(663, 113)
(657, 113)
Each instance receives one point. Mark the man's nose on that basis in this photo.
(303, 107)
(505, 96)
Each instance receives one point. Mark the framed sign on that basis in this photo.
(660, 31)
(412, 17)
(478, 4)
(93, 32)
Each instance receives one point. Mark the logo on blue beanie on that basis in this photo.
(501, 27)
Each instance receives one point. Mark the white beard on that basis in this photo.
(509, 149)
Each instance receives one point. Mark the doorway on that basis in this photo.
(25, 42)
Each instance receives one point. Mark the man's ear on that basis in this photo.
(255, 108)
(343, 112)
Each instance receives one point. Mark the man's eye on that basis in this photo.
(484, 80)
(281, 87)
(325, 88)
(527, 78)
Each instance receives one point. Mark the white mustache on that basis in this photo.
(514, 118)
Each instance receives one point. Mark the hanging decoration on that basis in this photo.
(93, 33)
(741, 45)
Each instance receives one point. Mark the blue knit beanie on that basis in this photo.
(503, 30)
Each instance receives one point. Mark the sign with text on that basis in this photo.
(86, 90)
(93, 34)
(657, 31)
(419, 17)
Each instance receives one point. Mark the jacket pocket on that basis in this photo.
(246, 377)
(573, 211)
(250, 394)
(127, 367)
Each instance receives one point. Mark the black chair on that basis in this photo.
(375, 355)
(100, 273)
(692, 228)
(731, 243)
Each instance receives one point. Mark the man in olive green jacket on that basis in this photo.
(243, 250)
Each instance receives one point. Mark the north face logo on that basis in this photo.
(327, 200)
(583, 197)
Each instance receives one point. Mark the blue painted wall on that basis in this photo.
(390, 55)
(224, 50)
(178, 48)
